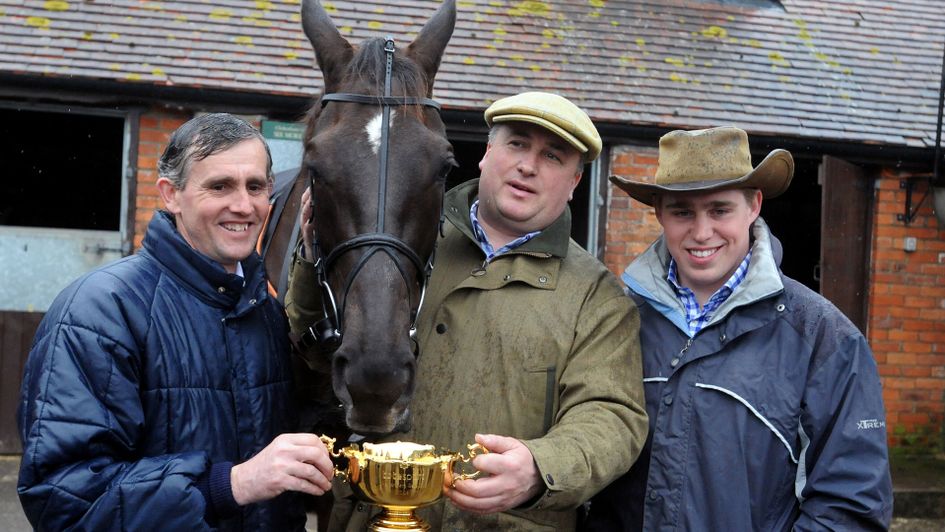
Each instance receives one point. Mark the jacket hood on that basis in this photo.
(646, 277)
(551, 240)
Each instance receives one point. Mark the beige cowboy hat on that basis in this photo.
(711, 159)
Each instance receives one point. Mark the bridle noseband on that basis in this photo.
(326, 334)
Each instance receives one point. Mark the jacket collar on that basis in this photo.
(646, 276)
(204, 277)
(553, 240)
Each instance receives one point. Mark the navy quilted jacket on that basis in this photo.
(143, 375)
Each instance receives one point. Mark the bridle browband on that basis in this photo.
(378, 100)
(327, 332)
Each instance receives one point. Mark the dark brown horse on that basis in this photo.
(377, 187)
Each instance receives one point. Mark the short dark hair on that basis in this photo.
(201, 137)
(749, 194)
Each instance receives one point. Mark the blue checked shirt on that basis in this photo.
(484, 241)
(696, 317)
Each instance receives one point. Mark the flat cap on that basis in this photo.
(552, 112)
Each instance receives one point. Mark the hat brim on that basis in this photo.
(772, 176)
(547, 124)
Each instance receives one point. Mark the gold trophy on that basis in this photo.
(400, 477)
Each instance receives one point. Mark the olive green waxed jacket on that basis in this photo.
(540, 344)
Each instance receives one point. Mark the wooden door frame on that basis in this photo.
(846, 229)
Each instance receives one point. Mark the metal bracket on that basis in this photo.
(909, 214)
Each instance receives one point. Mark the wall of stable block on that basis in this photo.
(154, 130)
(907, 295)
(907, 316)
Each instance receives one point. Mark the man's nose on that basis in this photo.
(242, 202)
(702, 229)
(528, 163)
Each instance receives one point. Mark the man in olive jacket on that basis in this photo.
(529, 345)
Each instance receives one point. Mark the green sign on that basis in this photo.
(274, 130)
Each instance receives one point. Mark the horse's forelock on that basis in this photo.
(369, 64)
(366, 73)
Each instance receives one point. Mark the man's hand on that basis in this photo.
(513, 477)
(292, 462)
(306, 223)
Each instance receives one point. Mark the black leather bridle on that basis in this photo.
(326, 334)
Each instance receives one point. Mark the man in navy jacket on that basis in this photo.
(764, 401)
(157, 395)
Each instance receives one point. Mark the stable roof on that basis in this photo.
(858, 71)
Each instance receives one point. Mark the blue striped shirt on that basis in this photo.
(484, 240)
(697, 318)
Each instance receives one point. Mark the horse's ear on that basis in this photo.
(332, 51)
(427, 49)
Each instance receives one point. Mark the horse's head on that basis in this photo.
(378, 195)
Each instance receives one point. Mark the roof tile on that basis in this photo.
(859, 70)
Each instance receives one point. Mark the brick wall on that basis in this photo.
(155, 128)
(907, 317)
(631, 225)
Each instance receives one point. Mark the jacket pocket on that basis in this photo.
(782, 424)
(543, 386)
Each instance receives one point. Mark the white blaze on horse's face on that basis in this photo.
(373, 129)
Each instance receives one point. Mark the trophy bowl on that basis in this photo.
(400, 477)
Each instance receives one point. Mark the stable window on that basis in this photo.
(64, 211)
(62, 169)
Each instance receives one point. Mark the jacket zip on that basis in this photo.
(682, 352)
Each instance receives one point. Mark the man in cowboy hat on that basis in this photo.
(764, 401)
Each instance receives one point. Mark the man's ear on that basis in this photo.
(658, 208)
(488, 147)
(577, 181)
(756, 205)
(169, 194)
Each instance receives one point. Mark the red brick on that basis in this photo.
(916, 371)
(914, 418)
(900, 383)
(901, 359)
(154, 135)
(885, 370)
(891, 395)
(930, 384)
(903, 335)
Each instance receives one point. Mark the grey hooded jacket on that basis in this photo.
(769, 418)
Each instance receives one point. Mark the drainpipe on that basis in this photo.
(938, 184)
(936, 178)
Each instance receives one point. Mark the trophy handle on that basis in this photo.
(475, 450)
(330, 443)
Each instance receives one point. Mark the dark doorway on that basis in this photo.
(469, 153)
(61, 169)
(794, 218)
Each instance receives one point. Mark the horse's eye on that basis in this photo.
(446, 168)
(312, 173)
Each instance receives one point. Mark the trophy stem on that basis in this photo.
(398, 520)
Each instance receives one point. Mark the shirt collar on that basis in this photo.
(483, 240)
(697, 317)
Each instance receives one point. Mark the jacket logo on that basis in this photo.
(870, 424)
